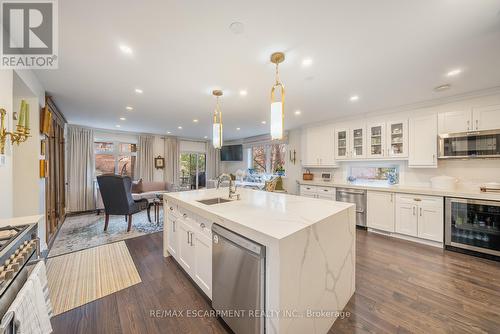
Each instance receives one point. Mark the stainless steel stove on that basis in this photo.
(19, 247)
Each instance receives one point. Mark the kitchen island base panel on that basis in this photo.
(317, 274)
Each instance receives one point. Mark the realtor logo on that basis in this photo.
(29, 34)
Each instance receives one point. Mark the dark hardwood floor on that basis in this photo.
(401, 287)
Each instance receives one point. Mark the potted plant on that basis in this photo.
(280, 170)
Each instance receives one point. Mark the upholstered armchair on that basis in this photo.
(117, 198)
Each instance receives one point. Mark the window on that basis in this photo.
(259, 159)
(192, 173)
(389, 174)
(115, 157)
(269, 159)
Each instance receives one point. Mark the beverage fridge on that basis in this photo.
(473, 225)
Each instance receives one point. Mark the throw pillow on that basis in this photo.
(137, 187)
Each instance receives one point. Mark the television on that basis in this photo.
(231, 153)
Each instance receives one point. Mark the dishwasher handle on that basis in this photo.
(236, 239)
(352, 192)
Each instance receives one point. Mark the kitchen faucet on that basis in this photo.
(232, 184)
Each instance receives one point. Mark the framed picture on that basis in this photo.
(159, 162)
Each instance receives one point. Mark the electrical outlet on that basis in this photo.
(2, 160)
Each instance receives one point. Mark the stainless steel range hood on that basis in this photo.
(470, 145)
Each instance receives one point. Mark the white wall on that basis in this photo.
(6, 174)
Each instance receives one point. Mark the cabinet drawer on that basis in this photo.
(308, 189)
(420, 200)
(323, 191)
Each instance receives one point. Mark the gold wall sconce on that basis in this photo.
(22, 132)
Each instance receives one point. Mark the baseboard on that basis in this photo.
(408, 238)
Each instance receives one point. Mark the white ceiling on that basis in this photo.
(389, 52)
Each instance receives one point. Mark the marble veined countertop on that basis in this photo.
(275, 215)
(459, 191)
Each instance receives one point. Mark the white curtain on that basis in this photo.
(172, 157)
(80, 167)
(145, 158)
(213, 161)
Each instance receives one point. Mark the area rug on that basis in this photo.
(78, 278)
(85, 231)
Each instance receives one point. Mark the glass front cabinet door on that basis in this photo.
(397, 139)
(358, 142)
(341, 144)
(376, 140)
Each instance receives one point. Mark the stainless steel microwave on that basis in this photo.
(475, 144)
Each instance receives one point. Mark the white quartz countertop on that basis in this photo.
(462, 192)
(275, 215)
(20, 220)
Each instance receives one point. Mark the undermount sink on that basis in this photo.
(212, 201)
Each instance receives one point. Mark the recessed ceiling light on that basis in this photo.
(123, 119)
(237, 28)
(238, 129)
(129, 108)
(205, 137)
(168, 132)
(307, 62)
(117, 125)
(139, 91)
(441, 88)
(179, 127)
(195, 120)
(126, 49)
(243, 92)
(263, 122)
(454, 72)
(354, 98)
(298, 112)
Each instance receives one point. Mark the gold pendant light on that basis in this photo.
(277, 107)
(217, 125)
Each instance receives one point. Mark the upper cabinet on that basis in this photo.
(376, 140)
(423, 142)
(350, 142)
(455, 121)
(479, 118)
(342, 144)
(358, 142)
(317, 145)
(486, 118)
(397, 139)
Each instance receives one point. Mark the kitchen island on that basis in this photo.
(309, 247)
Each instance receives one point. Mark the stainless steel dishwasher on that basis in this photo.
(357, 197)
(238, 280)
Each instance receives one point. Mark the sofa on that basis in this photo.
(140, 190)
(148, 190)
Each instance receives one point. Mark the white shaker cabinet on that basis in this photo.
(455, 121)
(420, 216)
(486, 118)
(430, 219)
(172, 235)
(318, 147)
(477, 119)
(380, 210)
(185, 251)
(189, 241)
(423, 142)
(406, 215)
(327, 193)
(203, 262)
